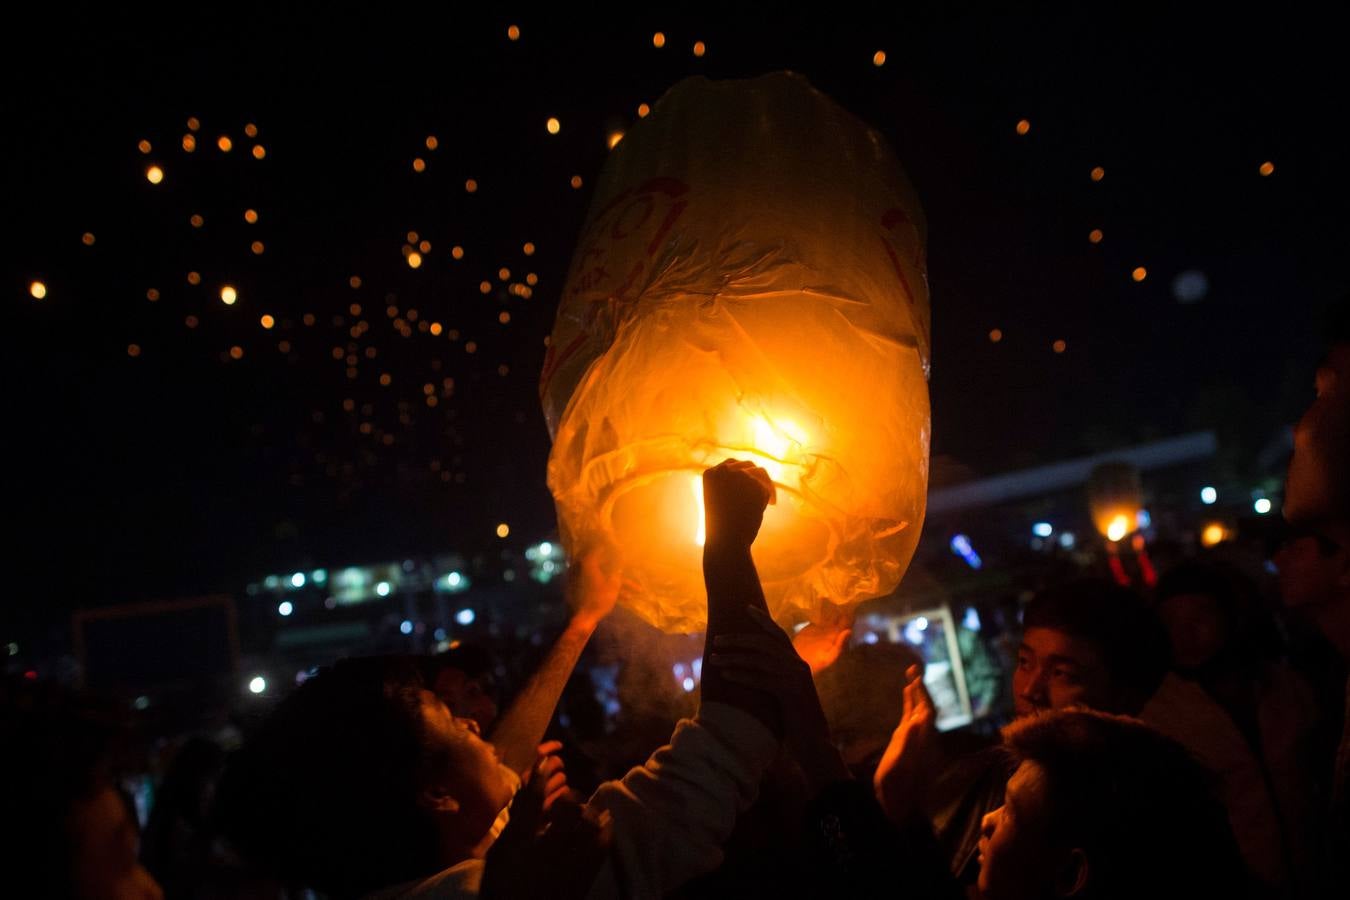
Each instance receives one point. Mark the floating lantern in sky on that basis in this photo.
(750, 283)
(1115, 498)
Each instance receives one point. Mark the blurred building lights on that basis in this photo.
(285, 608)
(382, 589)
(257, 685)
(406, 626)
(298, 580)
(1042, 529)
(1262, 506)
(465, 616)
(154, 174)
(1208, 495)
(38, 290)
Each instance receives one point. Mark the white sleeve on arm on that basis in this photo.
(672, 814)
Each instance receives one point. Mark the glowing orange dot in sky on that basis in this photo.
(154, 174)
(1023, 126)
(1139, 274)
(879, 58)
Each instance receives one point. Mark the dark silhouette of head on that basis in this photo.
(362, 779)
(1103, 806)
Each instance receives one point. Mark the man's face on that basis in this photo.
(105, 864)
(1017, 857)
(468, 768)
(1056, 670)
(1318, 484)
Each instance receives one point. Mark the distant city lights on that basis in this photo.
(285, 608)
(382, 589)
(1208, 496)
(298, 580)
(257, 685)
(1262, 506)
(406, 626)
(1042, 529)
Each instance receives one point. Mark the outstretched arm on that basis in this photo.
(520, 730)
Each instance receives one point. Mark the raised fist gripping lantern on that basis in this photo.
(750, 283)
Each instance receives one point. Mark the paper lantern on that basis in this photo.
(750, 282)
(1115, 498)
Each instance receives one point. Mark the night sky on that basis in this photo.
(181, 470)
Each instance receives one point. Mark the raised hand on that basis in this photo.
(911, 757)
(735, 494)
(595, 581)
(820, 643)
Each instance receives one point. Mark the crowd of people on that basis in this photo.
(1188, 743)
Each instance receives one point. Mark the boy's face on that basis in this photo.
(1017, 858)
(468, 769)
(1056, 670)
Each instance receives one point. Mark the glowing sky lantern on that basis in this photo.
(1115, 498)
(750, 283)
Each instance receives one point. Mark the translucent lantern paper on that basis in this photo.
(750, 282)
